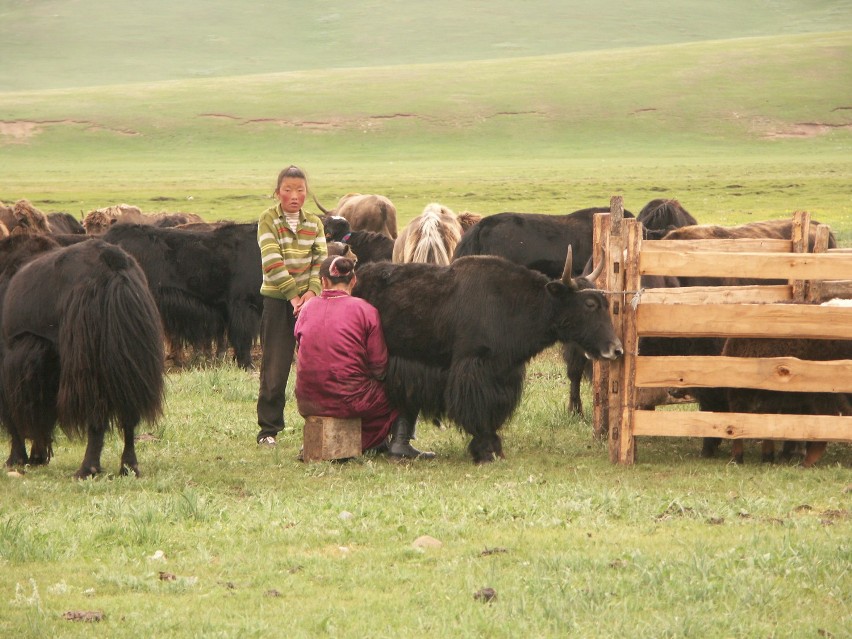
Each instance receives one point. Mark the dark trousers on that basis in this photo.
(278, 343)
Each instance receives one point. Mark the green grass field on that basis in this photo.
(740, 110)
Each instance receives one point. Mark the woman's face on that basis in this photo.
(292, 194)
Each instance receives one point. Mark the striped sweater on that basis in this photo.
(290, 261)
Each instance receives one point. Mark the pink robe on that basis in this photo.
(341, 357)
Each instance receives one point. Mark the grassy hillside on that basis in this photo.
(65, 43)
(757, 126)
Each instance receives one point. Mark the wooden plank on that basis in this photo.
(615, 284)
(747, 245)
(768, 294)
(744, 320)
(828, 428)
(821, 238)
(600, 368)
(800, 235)
(776, 373)
(784, 266)
(626, 445)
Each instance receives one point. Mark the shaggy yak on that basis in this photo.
(748, 400)
(23, 217)
(81, 345)
(430, 238)
(99, 221)
(660, 216)
(366, 213)
(206, 284)
(459, 336)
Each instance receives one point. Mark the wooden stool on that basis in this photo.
(331, 438)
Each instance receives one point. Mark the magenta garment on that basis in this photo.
(341, 355)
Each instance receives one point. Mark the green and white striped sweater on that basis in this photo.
(290, 261)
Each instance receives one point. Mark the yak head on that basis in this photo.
(337, 228)
(582, 314)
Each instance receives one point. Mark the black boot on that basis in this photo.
(401, 433)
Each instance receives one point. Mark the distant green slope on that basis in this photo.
(66, 43)
(749, 95)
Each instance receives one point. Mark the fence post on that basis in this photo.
(600, 368)
(815, 287)
(800, 235)
(615, 285)
(630, 339)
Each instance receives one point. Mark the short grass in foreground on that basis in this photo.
(221, 538)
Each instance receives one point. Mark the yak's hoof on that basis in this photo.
(86, 472)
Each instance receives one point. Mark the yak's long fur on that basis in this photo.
(459, 336)
(82, 345)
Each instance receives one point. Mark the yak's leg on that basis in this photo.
(91, 465)
(43, 423)
(575, 366)
(42, 450)
(18, 450)
(128, 455)
(790, 448)
(737, 451)
(767, 449)
(813, 453)
(481, 399)
(481, 448)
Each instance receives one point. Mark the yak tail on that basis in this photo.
(243, 330)
(110, 351)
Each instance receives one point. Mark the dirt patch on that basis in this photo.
(774, 130)
(21, 131)
(806, 130)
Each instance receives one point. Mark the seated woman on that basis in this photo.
(342, 360)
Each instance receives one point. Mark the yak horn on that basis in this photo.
(598, 270)
(316, 201)
(566, 274)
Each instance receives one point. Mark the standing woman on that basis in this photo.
(292, 247)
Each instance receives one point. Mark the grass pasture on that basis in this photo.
(740, 110)
(219, 538)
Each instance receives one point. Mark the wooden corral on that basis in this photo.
(770, 311)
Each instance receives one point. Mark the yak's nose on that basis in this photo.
(614, 351)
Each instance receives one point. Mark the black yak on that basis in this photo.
(536, 240)
(748, 400)
(81, 344)
(660, 216)
(206, 283)
(459, 336)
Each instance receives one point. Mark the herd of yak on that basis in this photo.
(89, 310)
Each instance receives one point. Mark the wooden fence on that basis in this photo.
(740, 311)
